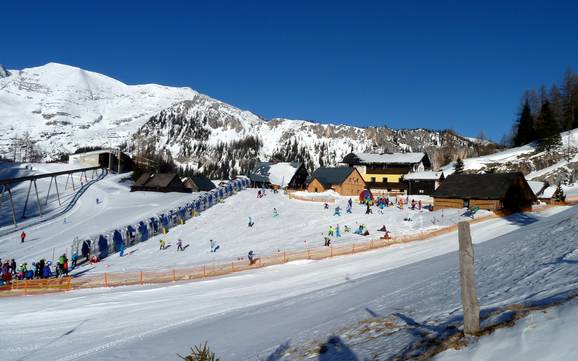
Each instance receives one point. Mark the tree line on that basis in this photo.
(546, 112)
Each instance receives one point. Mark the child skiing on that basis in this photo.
(251, 223)
(180, 245)
(214, 246)
(22, 237)
(162, 244)
(337, 211)
(337, 231)
(330, 232)
(275, 213)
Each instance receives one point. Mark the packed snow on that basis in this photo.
(288, 310)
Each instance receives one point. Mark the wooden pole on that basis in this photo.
(469, 296)
(174, 276)
(141, 278)
(105, 280)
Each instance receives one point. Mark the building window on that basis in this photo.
(372, 179)
(421, 191)
(316, 190)
(466, 203)
(384, 180)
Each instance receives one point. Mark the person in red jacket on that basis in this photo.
(22, 237)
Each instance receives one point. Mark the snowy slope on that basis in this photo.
(557, 165)
(289, 310)
(542, 336)
(64, 107)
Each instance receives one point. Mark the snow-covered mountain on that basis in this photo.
(63, 108)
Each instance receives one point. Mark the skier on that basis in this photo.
(368, 209)
(259, 194)
(330, 232)
(337, 211)
(97, 201)
(121, 249)
(327, 241)
(325, 206)
(74, 260)
(162, 244)
(349, 209)
(419, 205)
(13, 266)
(214, 246)
(337, 231)
(275, 213)
(413, 204)
(251, 257)
(251, 223)
(180, 245)
(86, 250)
(22, 237)
(350, 203)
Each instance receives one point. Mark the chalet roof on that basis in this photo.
(203, 183)
(279, 174)
(426, 175)
(537, 187)
(329, 176)
(477, 186)
(161, 180)
(385, 158)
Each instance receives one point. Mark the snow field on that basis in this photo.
(247, 316)
(300, 225)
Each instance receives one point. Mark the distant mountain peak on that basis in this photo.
(4, 73)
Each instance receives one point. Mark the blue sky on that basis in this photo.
(407, 64)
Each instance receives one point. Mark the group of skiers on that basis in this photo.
(9, 270)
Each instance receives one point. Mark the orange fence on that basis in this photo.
(110, 279)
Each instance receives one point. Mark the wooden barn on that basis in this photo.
(346, 181)
(198, 183)
(159, 182)
(494, 191)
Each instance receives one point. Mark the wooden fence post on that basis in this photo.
(353, 248)
(25, 287)
(308, 253)
(105, 280)
(330, 251)
(468, 281)
(141, 278)
(204, 271)
(284, 256)
(174, 276)
(232, 267)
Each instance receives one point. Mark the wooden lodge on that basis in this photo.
(494, 191)
(347, 181)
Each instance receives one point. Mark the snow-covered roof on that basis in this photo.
(94, 152)
(395, 158)
(426, 175)
(537, 187)
(279, 174)
(548, 192)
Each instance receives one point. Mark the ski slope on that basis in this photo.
(117, 207)
(300, 225)
(251, 315)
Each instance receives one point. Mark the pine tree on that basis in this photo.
(459, 166)
(570, 100)
(525, 126)
(559, 194)
(547, 129)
